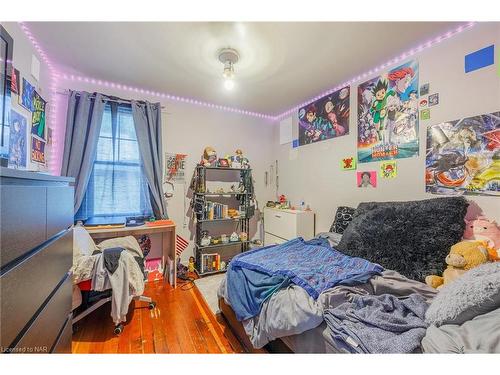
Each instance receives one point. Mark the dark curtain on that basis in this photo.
(147, 121)
(83, 124)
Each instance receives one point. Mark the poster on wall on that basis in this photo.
(366, 179)
(38, 116)
(463, 156)
(37, 150)
(17, 140)
(388, 115)
(388, 169)
(26, 97)
(176, 167)
(15, 82)
(325, 118)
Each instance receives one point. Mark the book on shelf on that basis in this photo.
(215, 211)
(210, 262)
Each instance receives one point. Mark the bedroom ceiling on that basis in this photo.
(281, 64)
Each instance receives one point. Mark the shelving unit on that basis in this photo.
(238, 200)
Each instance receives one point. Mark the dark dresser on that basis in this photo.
(36, 254)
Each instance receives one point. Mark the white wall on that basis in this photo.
(23, 51)
(312, 172)
(188, 129)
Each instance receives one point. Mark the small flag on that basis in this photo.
(180, 244)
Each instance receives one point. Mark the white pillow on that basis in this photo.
(83, 244)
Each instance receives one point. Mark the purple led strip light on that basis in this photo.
(163, 95)
(387, 64)
(57, 142)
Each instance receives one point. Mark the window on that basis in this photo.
(117, 185)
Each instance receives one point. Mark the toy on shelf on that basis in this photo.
(191, 264)
(487, 230)
(243, 236)
(463, 256)
(239, 161)
(223, 163)
(234, 237)
(209, 158)
(224, 238)
(205, 239)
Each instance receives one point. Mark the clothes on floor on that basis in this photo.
(378, 324)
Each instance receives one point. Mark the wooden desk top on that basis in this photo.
(125, 231)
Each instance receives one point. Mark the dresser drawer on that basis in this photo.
(43, 332)
(63, 344)
(23, 220)
(280, 223)
(60, 201)
(26, 286)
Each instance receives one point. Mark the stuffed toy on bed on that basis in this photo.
(463, 256)
(486, 230)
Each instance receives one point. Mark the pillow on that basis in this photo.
(83, 244)
(412, 238)
(475, 293)
(343, 217)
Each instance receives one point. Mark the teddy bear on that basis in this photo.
(462, 257)
(209, 157)
(484, 230)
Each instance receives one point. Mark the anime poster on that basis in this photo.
(37, 150)
(17, 140)
(366, 179)
(388, 115)
(463, 156)
(26, 97)
(38, 116)
(326, 118)
(14, 82)
(176, 167)
(348, 163)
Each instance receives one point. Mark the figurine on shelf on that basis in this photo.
(234, 237)
(209, 158)
(243, 236)
(222, 265)
(205, 238)
(215, 241)
(220, 190)
(239, 161)
(223, 163)
(224, 238)
(191, 264)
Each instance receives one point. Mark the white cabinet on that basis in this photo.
(284, 225)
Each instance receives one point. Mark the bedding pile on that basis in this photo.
(378, 324)
(313, 265)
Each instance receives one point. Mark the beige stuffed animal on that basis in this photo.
(462, 257)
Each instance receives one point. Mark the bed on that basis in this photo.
(291, 321)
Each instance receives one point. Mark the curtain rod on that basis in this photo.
(109, 98)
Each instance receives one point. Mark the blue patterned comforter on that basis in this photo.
(312, 265)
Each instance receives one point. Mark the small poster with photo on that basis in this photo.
(367, 179)
(38, 116)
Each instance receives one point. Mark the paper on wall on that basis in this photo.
(286, 135)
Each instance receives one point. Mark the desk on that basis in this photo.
(169, 259)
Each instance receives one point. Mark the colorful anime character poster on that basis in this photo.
(17, 140)
(326, 118)
(463, 156)
(38, 116)
(26, 97)
(388, 169)
(388, 115)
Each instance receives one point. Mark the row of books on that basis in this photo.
(210, 262)
(214, 211)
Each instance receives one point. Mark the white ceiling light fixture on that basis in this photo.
(229, 57)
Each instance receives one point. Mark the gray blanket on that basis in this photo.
(291, 311)
(378, 324)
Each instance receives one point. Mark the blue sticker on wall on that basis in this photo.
(480, 59)
(295, 143)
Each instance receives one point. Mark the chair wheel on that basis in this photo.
(118, 329)
(152, 305)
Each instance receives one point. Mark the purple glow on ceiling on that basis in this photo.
(369, 73)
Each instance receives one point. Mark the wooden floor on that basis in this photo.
(182, 322)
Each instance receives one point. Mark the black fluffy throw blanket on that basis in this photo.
(412, 238)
